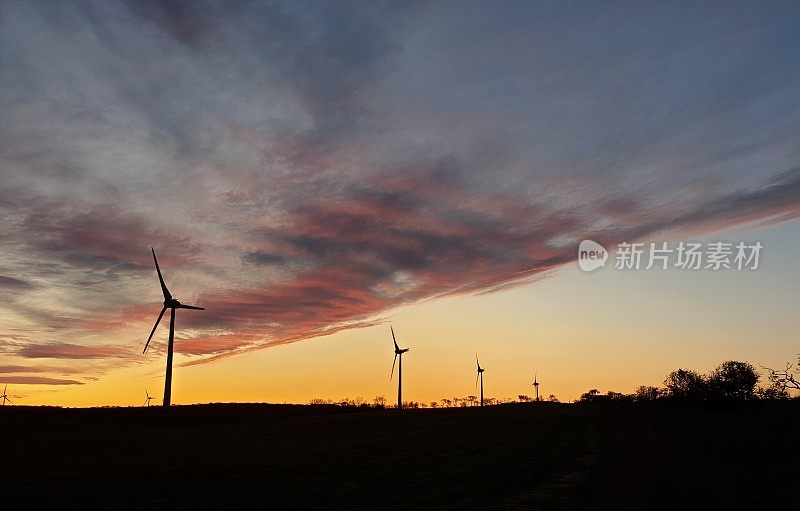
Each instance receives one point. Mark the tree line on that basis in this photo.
(730, 381)
(380, 402)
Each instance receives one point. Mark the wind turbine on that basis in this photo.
(479, 376)
(171, 304)
(398, 353)
(5, 395)
(149, 398)
(536, 385)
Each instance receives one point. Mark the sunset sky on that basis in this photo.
(312, 173)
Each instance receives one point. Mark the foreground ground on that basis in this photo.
(526, 456)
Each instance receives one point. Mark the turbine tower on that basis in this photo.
(4, 397)
(171, 304)
(149, 398)
(398, 353)
(479, 376)
(536, 385)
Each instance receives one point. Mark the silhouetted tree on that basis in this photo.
(471, 400)
(686, 385)
(617, 396)
(379, 402)
(788, 378)
(589, 396)
(733, 381)
(594, 395)
(772, 392)
(447, 402)
(434, 404)
(318, 401)
(523, 398)
(647, 393)
(553, 399)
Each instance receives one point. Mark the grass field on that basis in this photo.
(524, 456)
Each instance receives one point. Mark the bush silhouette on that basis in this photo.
(686, 385)
(733, 381)
(592, 395)
(647, 393)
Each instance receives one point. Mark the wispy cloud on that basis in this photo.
(71, 351)
(12, 369)
(37, 380)
(12, 284)
(302, 168)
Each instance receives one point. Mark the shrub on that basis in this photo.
(733, 381)
(686, 385)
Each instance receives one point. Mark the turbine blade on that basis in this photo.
(476, 361)
(476, 379)
(393, 363)
(10, 401)
(396, 347)
(182, 306)
(167, 295)
(154, 329)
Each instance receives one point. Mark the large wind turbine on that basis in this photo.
(536, 385)
(398, 353)
(5, 395)
(171, 304)
(479, 376)
(148, 399)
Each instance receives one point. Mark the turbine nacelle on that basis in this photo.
(174, 303)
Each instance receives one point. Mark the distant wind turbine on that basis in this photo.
(479, 376)
(148, 399)
(398, 353)
(5, 395)
(536, 385)
(172, 304)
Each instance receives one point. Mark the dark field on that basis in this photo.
(526, 456)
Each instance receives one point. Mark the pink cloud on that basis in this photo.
(7, 369)
(72, 351)
(37, 380)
